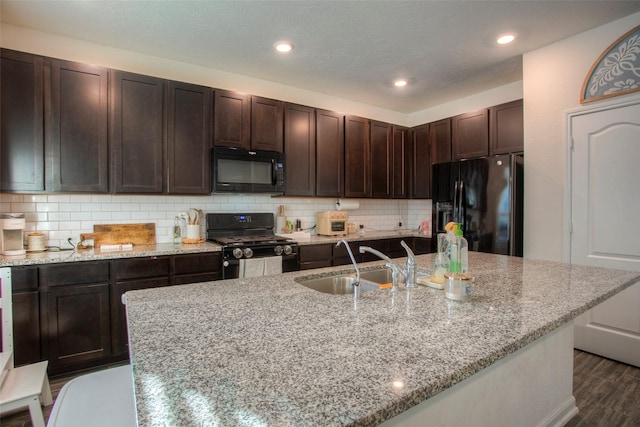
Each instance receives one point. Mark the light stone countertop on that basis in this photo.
(270, 352)
(159, 249)
(53, 257)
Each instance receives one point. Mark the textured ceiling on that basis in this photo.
(348, 49)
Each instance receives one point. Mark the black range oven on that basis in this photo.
(249, 246)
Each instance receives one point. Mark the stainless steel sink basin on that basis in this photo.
(381, 276)
(337, 285)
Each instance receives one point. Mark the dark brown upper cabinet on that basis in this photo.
(470, 135)
(421, 169)
(76, 121)
(267, 124)
(188, 138)
(401, 163)
(440, 141)
(329, 154)
(137, 137)
(232, 119)
(249, 122)
(357, 161)
(21, 115)
(506, 128)
(300, 149)
(381, 156)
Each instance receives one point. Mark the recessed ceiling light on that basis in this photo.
(284, 46)
(400, 83)
(506, 38)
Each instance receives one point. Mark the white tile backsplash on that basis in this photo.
(62, 216)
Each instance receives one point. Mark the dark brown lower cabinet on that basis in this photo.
(74, 311)
(72, 314)
(315, 256)
(422, 245)
(194, 268)
(129, 275)
(118, 315)
(77, 325)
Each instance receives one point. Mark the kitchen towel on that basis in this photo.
(251, 267)
(344, 205)
(272, 265)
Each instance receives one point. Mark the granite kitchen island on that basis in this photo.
(271, 352)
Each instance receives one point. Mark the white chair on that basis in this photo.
(99, 399)
(24, 386)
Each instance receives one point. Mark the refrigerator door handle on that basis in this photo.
(460, 202)
(455, 202)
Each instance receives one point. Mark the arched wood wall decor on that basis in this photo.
(617, 70)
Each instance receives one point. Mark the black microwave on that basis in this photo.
(239, 170)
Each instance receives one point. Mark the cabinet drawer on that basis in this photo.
(136, 268)
(313, 253)
(197, 263)
(74, 273)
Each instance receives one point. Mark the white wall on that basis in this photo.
(552, 81)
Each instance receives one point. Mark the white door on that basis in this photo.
(605, 215)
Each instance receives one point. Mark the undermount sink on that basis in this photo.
(382, 276)
(337, 285)
(341, 284)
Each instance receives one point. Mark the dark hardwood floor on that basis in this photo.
(607, 394)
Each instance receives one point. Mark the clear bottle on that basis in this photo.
(177, 231)
(458, 252)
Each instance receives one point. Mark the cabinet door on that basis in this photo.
(381, 160)
(357, 162)
(21, 115)
(77, 324)
(470, 135)
(315, 256)
(76, 126)
(267, 124)
(137, 133)
(506, 128)
(401, 167)
(329, 154)
(74, 311)
(231, 119)
(440, 141)
(188, 138)
(26, 315)
(300, 150)
(421, 173)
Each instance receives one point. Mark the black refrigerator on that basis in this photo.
(485, 195)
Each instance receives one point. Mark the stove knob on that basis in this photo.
(287, 250)
(278, 250)
(237, 253)
(248, 252)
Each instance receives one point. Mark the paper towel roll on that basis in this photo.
(346, 205)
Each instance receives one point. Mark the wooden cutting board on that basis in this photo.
(115, 234)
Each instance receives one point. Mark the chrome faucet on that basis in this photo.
(356, 285)
(395, 270)
(411, 267)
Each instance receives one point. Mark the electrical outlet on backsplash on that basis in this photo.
(61, 216)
